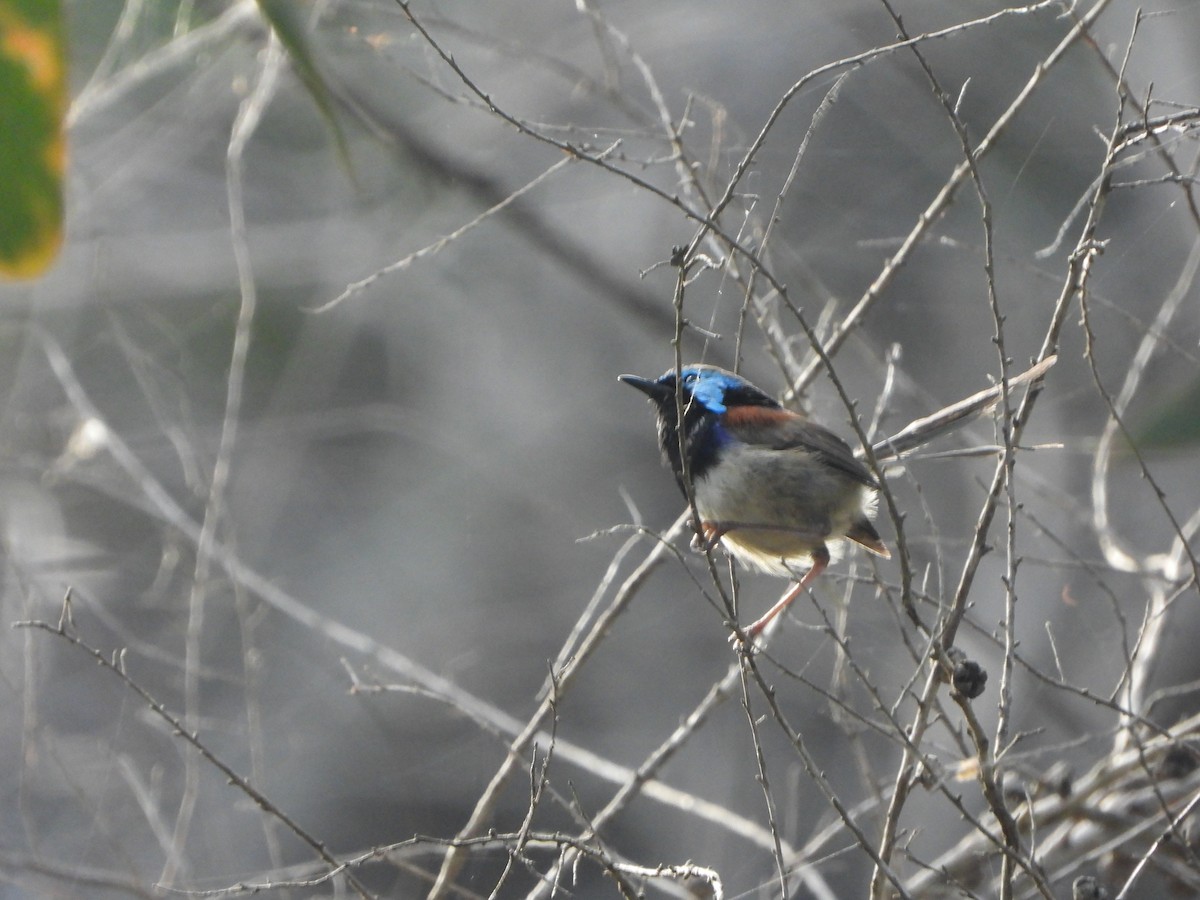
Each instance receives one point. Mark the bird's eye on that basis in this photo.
(689, 379)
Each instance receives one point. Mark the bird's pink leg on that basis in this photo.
(820, 559)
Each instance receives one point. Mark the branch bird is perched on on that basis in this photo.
(773, 488)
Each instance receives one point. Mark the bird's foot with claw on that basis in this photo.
(706, 537)
(745, 640)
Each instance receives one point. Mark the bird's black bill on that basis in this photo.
(652, 389)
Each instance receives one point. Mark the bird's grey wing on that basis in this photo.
(781, 429)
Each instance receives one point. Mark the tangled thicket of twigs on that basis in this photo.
(1132, 809)
(1111, 815)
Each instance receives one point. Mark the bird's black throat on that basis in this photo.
(700, 441)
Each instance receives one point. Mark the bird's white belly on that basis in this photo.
(778, 506)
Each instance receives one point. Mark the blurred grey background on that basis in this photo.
(425, 461)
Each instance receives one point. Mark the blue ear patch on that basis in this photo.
(709, 389)
(708, 386)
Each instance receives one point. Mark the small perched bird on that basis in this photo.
(773, 488)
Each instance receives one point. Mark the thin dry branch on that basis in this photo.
(116, 666)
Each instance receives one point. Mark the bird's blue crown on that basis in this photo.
(716, 389)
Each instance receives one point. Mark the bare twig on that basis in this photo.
(114, 666)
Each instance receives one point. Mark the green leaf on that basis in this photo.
(286, 18)
(33, 101)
